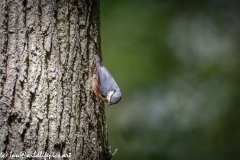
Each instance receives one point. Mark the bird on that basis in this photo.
(103, 83)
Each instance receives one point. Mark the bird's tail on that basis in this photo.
(97, 60)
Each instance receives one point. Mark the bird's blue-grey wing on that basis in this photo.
(106, 81)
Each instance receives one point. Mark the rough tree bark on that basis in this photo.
(46, 55)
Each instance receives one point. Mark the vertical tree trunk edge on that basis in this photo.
(46, 55)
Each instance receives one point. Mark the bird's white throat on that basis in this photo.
(109, 95)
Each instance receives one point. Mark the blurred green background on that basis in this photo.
(177, 64)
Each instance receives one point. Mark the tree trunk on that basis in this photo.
(45, 71)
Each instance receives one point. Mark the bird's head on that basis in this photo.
(113, 97)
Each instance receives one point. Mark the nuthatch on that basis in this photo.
(104, 85)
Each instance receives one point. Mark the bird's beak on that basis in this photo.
(108, 104)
